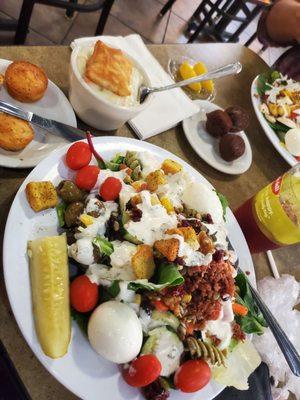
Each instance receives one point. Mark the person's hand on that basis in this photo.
(283, 21)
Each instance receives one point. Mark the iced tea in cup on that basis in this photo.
(271, 218)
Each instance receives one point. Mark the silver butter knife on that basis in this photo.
(56, 128)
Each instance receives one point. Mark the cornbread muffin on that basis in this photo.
(15, 134)
(25, 82)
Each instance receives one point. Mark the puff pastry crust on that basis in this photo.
(109, 69)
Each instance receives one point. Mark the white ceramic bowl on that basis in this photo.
(92, 108)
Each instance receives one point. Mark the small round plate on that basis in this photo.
(173, 69)
(53, 105)
(207, 147)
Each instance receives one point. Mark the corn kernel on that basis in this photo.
(187, 298)
(166, 202)
(86, 219)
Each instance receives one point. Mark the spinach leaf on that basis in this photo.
(278, 127)
(107, 293)
(60, 210)
(263, 84)
(104, 245)
(224, 203)
(168, 275)
(275, 75)
(82, 319)
(254, 321)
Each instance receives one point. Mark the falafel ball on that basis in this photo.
(231, 147)
(239, 118)
(218, 123)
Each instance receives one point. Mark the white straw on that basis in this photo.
(273, 264)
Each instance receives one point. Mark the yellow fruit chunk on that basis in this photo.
(187, 71)
(166, 202)
(171, 166)
(49, 276)
(86, 219)
(200, 68)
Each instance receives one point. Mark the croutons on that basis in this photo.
(154, 179)
(139, 185)
(168, 248)
(143, 262)
(166, 202)
(171, 167)
(41, 195)
(206, 244)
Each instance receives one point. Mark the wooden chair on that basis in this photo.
(70, 5)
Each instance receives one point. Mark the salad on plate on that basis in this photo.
(280, 105)
(152, 278)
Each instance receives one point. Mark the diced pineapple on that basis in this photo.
(171, 167)
(154, 179)
(154, 199)
(166, 202)
(86, 219)
(187, 71)
(273, 109)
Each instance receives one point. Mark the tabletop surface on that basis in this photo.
(266, 166)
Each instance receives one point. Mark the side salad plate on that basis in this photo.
(276, 102)
(158, 194)
(54, 105)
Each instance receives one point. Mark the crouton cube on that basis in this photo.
(168, 248)
(41, 195)
(143, 262)
(139, 185)
(154, 179)
(136, 199)
(173, 231)
(166, 202)
(171, 167)
(206, 244)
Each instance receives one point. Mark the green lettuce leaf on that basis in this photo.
(263, 83)
(254, 321)
(114, 164)
(82, 319)
(167, 275)
(104, 245)
(224, 203)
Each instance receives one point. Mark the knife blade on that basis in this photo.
(56, 128)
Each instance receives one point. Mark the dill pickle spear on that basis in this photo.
(50, 293)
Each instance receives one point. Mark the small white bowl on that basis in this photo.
(95, 110)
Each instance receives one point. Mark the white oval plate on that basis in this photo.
(207, 147)
(81, 370)
(53, 105)
(274, 139)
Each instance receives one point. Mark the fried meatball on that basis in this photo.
(15, 134)
(218, 123)
(231, 147)
(25, 82)
(239, 118)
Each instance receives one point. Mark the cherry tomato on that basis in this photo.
(84, 294)
(142, 371)
(86, 177)
(192, 375)
(160, 305)
(78, 155)
(110, 188)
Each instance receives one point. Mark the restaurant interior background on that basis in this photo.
(50, 25)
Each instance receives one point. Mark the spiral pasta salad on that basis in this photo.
(153, 282)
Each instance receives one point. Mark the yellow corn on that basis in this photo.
(166, 202)
(86, 219)
(187, 298)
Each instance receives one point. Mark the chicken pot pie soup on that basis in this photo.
(110, 74)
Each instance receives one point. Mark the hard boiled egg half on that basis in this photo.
(115, 332)
(292, 141)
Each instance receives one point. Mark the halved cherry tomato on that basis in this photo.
(86, 177)
(110, 188)
(142, 371)
(78, 155)
(160, 305)
(192, 375)
(83, 293)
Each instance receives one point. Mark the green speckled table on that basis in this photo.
(266, 166)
